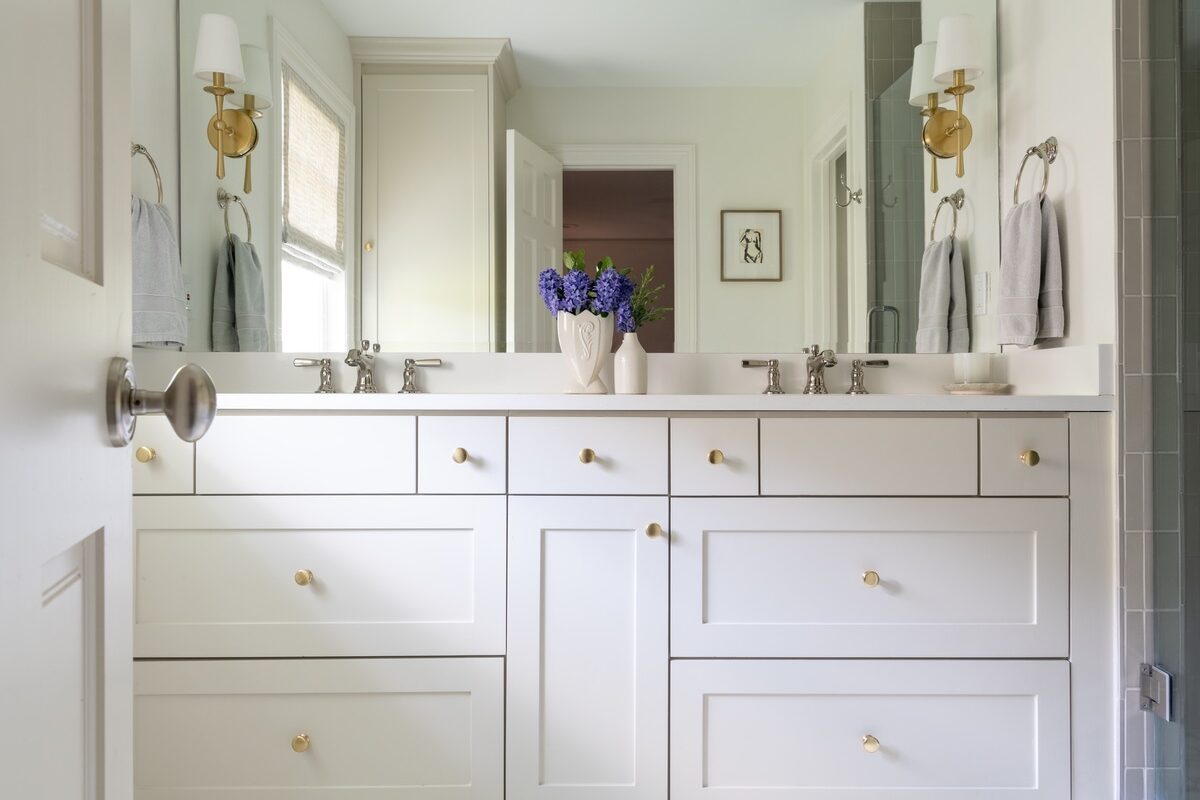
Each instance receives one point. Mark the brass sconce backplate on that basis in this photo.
(241, 135)
(940, 135)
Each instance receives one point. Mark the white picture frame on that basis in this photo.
(751, 245)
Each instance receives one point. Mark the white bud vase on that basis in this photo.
(629, 366)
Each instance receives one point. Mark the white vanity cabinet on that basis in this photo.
(587, 648)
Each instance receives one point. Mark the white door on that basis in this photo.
(535, 242)
(587, 648)
(427, 219)
(65, 586)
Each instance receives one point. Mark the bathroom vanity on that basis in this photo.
(666, 596)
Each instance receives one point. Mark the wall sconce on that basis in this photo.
(255, 97)
(927, 95)
(219, 62)
(947, 132)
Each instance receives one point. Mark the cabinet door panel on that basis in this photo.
(796, 730)
(587, 649)
(870, 578)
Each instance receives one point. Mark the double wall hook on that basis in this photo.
(851, 196)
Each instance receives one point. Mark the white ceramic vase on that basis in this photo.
(629, 366)
(585, 339)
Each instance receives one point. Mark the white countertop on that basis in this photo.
(566, 403)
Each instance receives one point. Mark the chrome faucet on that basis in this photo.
(364, 359)
(818, 361)
(326, 366)
(772, 366)
(410, 372)
(858, 374)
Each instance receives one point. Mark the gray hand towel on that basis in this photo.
(1030, 305)
(239, 321)
(159, 299)
(943, 326)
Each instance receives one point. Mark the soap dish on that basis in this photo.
(977, 388)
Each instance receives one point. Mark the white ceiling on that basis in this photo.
(627, 42)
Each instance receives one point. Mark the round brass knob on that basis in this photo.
(587, 455)
(871, 578)
(145, 454)
(716, 457)
(654, 530)
(368, 246)
(1030, 458)
(300, 742)
(303, 577)
(870, 744)
(459, 455)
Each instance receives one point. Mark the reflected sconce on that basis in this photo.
(255, 97)
(219, 62)
(948, 133)
(927, 95)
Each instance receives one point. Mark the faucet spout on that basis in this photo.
(363, 358)
(818, 361)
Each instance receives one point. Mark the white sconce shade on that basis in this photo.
(258, 78)
(957, 49)
(218, 49)
(923, 83)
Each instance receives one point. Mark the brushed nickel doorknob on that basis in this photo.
(870, 744)
(459, 455)
(871, 578)
(654, 530)
(716, 457)
(145, 454)
(587, 455)
(189, 402)
(300, 742)
(1030, 458)
(303, 577)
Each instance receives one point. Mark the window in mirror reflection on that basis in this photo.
(314, 265)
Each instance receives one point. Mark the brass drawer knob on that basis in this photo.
(459, 455)
(870, 744)
(300, 742)
(716, 457)
(303, 577)
(368, 246)
(587, 455)
(1030, 458)
(145, 454)
(871, 578)
(654, 530)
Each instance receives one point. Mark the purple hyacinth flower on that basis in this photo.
(550, 287)
(625, 320)
(576, 287)
(612, 289)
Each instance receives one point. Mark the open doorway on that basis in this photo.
(628, 215)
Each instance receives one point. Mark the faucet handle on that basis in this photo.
(772, 365)
(410, 372)
(858, 373)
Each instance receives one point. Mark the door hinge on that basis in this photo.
(1156, 691)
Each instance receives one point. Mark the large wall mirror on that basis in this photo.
(402, 171)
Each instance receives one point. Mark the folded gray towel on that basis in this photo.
(943, 326)
(239, 321)
(1030, 305)
(159, 299)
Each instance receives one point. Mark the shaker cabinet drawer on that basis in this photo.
(406, 729)
(714, 457)
(587, 455)
(1024, 456)
(162, 462)
(870, 730)
(869, 456)
(461, 455)
(307, 454)
(869, 578)
(319, 576)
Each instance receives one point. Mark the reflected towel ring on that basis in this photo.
(138, 149)
(955, 201)
(1047, 151)
(224, 199)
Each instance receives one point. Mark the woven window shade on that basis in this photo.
(314, 182)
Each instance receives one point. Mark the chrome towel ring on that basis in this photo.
(224, 199)
(955, 201)
(1047, 151)
(138, 149)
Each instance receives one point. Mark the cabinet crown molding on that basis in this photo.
(480, 52)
